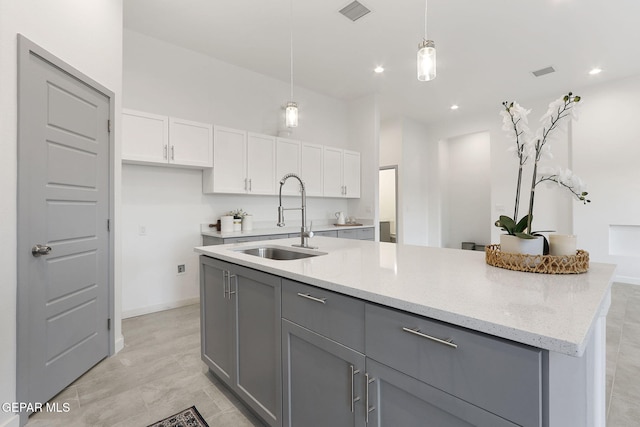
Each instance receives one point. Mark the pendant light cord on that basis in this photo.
(425, 19)
(291, 46)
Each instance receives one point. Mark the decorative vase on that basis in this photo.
(237, 224)
(562, 244)
(516, 245)
(247, 223)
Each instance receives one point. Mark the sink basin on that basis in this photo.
(280, 253)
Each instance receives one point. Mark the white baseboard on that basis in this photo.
(627, 279)
(119, 344)
(14, 421)
(159, 307)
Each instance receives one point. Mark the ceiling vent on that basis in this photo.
(354, 10)
(541, 72)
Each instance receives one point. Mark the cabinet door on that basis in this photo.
(261, 164)
(332, 172)
(229, 162)
(288, 161)
(190, 143)
(312, 169)
(145, 137)
(351, 174)
(258, 337)
(395, 399)
(322, 380)
(216, 319)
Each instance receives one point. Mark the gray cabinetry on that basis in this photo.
(241, 333)
(396, 399)
(499, 376)
(322, 380)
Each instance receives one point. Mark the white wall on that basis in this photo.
(364, 137)
(88, 36)
(163, 78)
(404, 142)
(466, 190)
(607, 157)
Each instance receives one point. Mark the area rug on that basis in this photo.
(188, 418)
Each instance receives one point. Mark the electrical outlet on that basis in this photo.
(181, 268)
(142, 230)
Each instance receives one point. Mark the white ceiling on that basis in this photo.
(486, 48)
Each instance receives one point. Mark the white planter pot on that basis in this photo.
(247, 223)
(516, 245)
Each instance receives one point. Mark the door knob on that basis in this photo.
(38, 250)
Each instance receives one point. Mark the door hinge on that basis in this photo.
(109, 126)
(109, 324)
(108, 225)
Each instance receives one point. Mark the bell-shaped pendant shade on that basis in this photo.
(291, 115)
(426, 60)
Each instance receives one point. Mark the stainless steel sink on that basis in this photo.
(280, 253)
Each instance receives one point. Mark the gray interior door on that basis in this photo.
(63, 206)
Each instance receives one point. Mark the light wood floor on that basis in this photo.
(159, 372)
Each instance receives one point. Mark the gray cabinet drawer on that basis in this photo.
(210, 241)
(502, 377)
(348, 234)
(366, 233)
(327, 233)
(335, 316)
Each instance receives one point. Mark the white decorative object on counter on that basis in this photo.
(516, 245)
(247, 223)
(562, 244)
(237, 224)
(226, 224)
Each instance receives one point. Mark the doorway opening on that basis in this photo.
(388, 203)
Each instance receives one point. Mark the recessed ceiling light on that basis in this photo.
(595, 71)
(379, 69)
(454, 107)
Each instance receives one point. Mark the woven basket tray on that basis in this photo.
(549, 264)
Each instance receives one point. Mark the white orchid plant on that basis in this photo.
(531, 146)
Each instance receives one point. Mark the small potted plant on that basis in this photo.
(532, 147)
(242, 220)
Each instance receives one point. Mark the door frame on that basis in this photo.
(395, 168)
(26, 48)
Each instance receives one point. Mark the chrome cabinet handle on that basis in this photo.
(173, 152)
(164, 155)
(369, 380)
(354, 399)
(38, 250)
(250, 189)
(232, 276)
(416, 331)
(245, 184)
(224, 283)
(312, 298)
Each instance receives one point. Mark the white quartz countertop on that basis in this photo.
(267, 231)
(552, 312)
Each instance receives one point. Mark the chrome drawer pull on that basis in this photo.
(417, 332)
(368, 380)
(355, 399)
(307, 296)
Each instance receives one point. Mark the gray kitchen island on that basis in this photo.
(366, 333)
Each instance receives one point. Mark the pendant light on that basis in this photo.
(291, 110)
(426, 54)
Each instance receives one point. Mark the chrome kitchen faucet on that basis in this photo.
(305, 234)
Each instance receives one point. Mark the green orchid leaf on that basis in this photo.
(525, 235)
(522, 224)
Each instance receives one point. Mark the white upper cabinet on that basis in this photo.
(261, 164)
(312, 168)
(145, 137)
(288, 161)
(156, 139)
(341, 173)
(244, 163)
(351, 174)
(229, 162)
(190, 143)
(333, 172)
